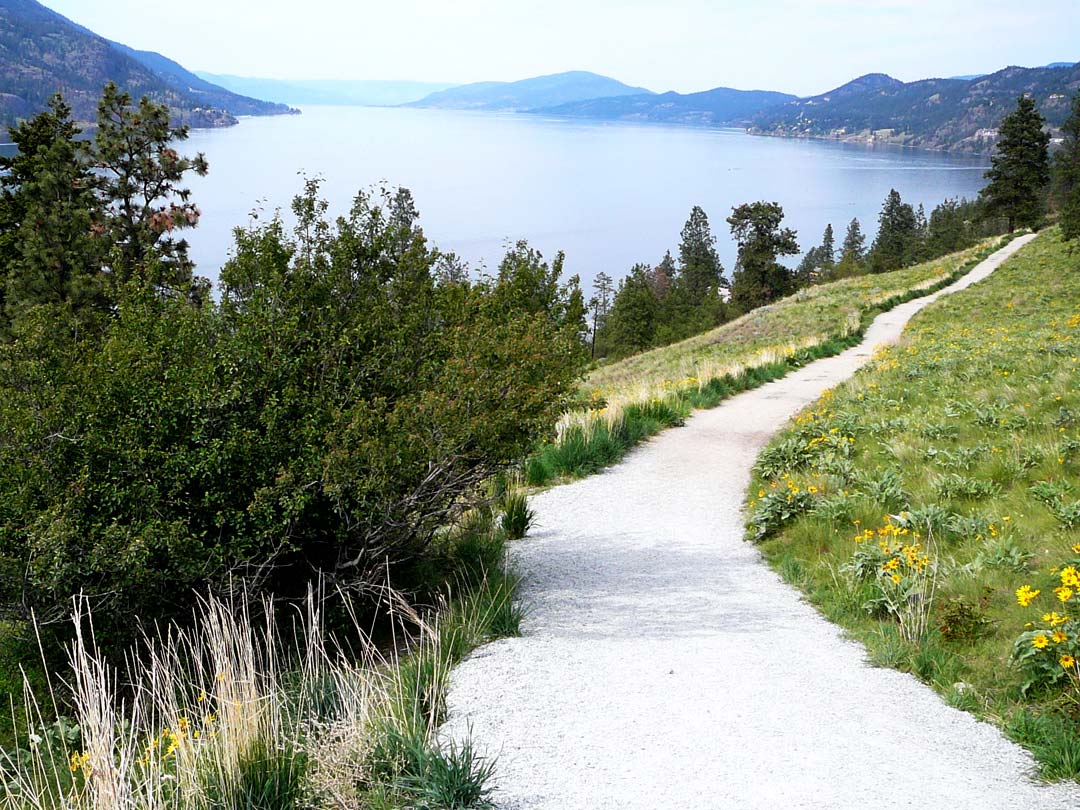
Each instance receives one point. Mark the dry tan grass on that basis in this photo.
(769, 334)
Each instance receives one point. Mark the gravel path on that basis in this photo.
(663, 665)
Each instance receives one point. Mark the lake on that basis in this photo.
(609, 194)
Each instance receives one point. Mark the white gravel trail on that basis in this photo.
(664, 665)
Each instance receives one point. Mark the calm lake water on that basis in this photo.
(608, 194)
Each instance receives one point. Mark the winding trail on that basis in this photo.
(664, 665)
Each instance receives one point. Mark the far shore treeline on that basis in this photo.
(351, 391)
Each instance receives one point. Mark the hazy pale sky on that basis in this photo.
(797, 46)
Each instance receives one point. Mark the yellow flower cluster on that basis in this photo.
(1025, 595)
(830, 439)
(1054, 633)
(167, 743)
(80, 763)
(888, 534)
(904, 554)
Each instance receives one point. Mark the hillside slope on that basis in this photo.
(205, 92)
(719, 106)
(528, 94)
(952, 114)
(627, 401)
(327, 91)
(42, 52)
(964, 439)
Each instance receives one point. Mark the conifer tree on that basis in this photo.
(819, 262)
(758, 278)
(600, 306)
(810, 271)
(1020, 167)
(897, 242)
(1067, 174)
(854, 247)
(140, 175)
(50, 252)
(632, 320)
(828, 248)
(662, 275)
(699, 266)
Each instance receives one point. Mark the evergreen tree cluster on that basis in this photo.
(79, 218)
(1066, 175)
(1026, 183)
(662, 303)
(657, 305)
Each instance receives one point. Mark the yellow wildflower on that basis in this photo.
(1025, 595)
(1067, 661)
(1040, 642)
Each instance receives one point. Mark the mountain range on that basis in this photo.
(42, 52)
(717, 107)
(956, 114)
(346, 92)
(952, 114)
(529, 94)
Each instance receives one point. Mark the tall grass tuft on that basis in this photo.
(247, 708)
(517, 517)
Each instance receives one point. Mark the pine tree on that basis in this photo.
(819, 262)
(661, 276)
(854, 248)
(50, 252)
(600, 306)
(699, 266)
(758, 278)
(809, 271)
(828, 248)
(1020, 167)
(631, 325)
(1067, 174)
(139, 178)
(898, 241)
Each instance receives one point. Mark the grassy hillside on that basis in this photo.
(936, 502)
(634, 398)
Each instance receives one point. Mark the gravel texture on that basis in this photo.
(664, 665)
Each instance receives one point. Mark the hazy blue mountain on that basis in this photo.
(42, 52)
(721, 105)
(346, 92)
(529, 94)
(212, 95)
(956, 114)
(968, 77)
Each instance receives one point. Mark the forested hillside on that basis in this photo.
(42, 52)
(951, 114)
(721, 105)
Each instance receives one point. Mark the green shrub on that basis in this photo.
(333, 412)
(775, 509)
(961, 621)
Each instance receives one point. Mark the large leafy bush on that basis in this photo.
(344, 398)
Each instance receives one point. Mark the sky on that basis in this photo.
(797, 46)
